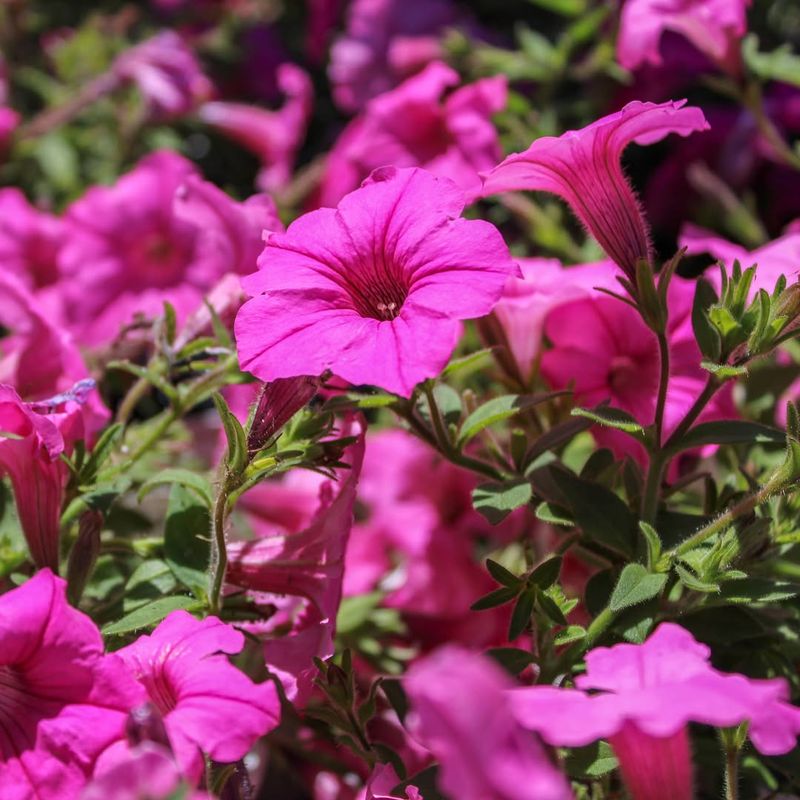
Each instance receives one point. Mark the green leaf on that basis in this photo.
(546, 574)
(502, 575)
(521, 615)
(572, 633)
(355, 611)
(779, 65)
(237, 441)
(706, 334)
(566, 8)
(187, 549)
(496, 598)
(723, 371)
(469, 362)
(512, 659)
(100, 452)
(151, 614)
(653, 543)
(554, 515)
(592, 761)
(448, 401)
(635, 585)
(734, 431)
(551, 609)
(495, 501)
(691, 581)
(183, 477)
(758, 590)
(555, 437)
(497, 410)
(611, 417)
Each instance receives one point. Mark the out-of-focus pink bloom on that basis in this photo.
(295, 566)
(605, 352)
(159, 234)
(415, 125)
(778, 257)
(147, 773)
(273, 136)
(208, 705)
(583, 167)
(322, 18)
(29, 241)
(62, 701)
(166, 72)
(545, 285)
(32, 438)
(375, 289)
(386, 41)
(381, 783)
(714, 27)
(461, 711)
(647, 695)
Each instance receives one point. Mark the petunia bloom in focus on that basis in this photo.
(373, 290)
(420, 124)
(208, 705)
(461, 711)
(714, 27)
(583, 167)
(62, 701)
(646, 696)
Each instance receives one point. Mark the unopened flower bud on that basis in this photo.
(84, 554)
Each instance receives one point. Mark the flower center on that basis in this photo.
(377, 292)
(161, 691)
(624, 373)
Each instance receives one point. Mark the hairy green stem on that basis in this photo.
(663, 386)
(731, 773)
(219, 548)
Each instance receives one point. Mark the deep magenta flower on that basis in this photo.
(583, 167)
(714, 27)
(421, 124)
(159, 234)
(208, 705)
(386, 41)
(62, 701)
(373, 290)
(273, 136)
(166, 72)
(32, 439)
(645, 697)
(461, 711)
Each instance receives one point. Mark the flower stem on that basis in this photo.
(219, 548)
(709, 390)
(663, 386)
(731, 773)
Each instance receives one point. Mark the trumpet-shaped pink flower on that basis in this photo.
(647, 695)
(159, 234)
(273, 136)
(415, 125)
(62, 702)
(461, 711)
(583, 167)
(526, 302)
(713, 26)
(295, 565)
(29, 241)
(375, 289)
(166, 73)
(385, 42)
(208, 705)
(32, 438)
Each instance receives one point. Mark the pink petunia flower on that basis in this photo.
(375, 289)
(29, 241)
(714, 27)
(526, 302)
(294, 567)
(381, 783)
(273, 136)
(33, 437)
(159, 234)
(384, 42)
(461, 711)
(583, 167)
(603, 349)
(62, 701)
(166, 73)
(647, 695)
(415, 125)
(208, 705)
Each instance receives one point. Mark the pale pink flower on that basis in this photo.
(583, 167)
(159, 234)
(419, 124)
(273, 136)
(646, 696)
(33, 436)
(62, 701)
(166, 72)
(384, 42)
(295, 565)
(526, 302)
(461, 711)
(29, 241)
(208, 705)
(714, 27)
(373, 290)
